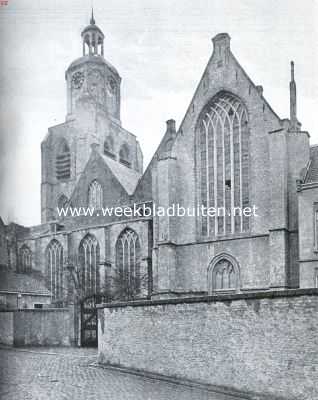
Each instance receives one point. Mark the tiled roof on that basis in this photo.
(126, 176)
(312, 174)
(23, 283)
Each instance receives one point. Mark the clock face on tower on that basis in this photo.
(111, 86)
(78, 79)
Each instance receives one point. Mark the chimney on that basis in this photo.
(171, 127)
(259, 88)
(221, 48)
(221, 40)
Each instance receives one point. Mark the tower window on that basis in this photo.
(63, 162)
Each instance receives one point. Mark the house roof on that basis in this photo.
(127, 177)
(312, 173)
(22, 283)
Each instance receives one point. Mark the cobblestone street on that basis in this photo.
(42, 374)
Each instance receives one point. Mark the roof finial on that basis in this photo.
(293, 99)
(92, 21)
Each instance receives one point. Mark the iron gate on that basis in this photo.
(89, 321)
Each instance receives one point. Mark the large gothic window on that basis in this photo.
(95, 195)
(89, 254)
(63, 161)
(25, 259)
(128, 263)
(223, 274)
(54, 269)
(223, 162)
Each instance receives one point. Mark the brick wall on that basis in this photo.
(42, 327)
(6, 328)
(260, 343)
(46, 327)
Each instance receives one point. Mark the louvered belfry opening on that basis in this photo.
(63, 163)
(223, 164)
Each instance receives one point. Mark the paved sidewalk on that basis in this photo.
(48, 373)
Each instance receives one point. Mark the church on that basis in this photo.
(231, 150)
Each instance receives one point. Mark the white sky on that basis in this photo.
(160, 49)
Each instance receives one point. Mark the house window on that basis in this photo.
(95, 195)
(89, 254)
(124, 156)
(109, 148)
(54, 269)
(223, 274)
(25, 259)
(223, 163)
(63, 162)
(316, 227)
(38, 305)
(316, 278)
(128, 264)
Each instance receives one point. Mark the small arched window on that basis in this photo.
(124, 156)
(63, 161)
(95, 195)
(223, 274)
(62, 201)
(25, 259)
(109, 147)
(54, 269)
(89, 263)
(128, 264)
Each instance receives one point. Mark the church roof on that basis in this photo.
(127, 177)
(22, 283)
(312, 173)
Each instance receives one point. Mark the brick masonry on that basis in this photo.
(261, 343)
(32, 327)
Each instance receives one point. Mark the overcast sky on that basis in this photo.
(160, 49)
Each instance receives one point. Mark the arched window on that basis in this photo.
(128, 263)
(63, 161)
(89, 263)
(95, 195)
(25, 259)
(54, 269)
(223, 274)
(223, 164)
(109, 147)
(124, 156)
(62, 201)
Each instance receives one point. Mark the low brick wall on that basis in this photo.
(6, 328)
(43, 327)
(263, 343)
(37, 327)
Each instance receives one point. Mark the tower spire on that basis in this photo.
(293, 99)
(92, 21)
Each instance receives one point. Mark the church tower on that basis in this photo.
(92, 118)
(91, 80)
